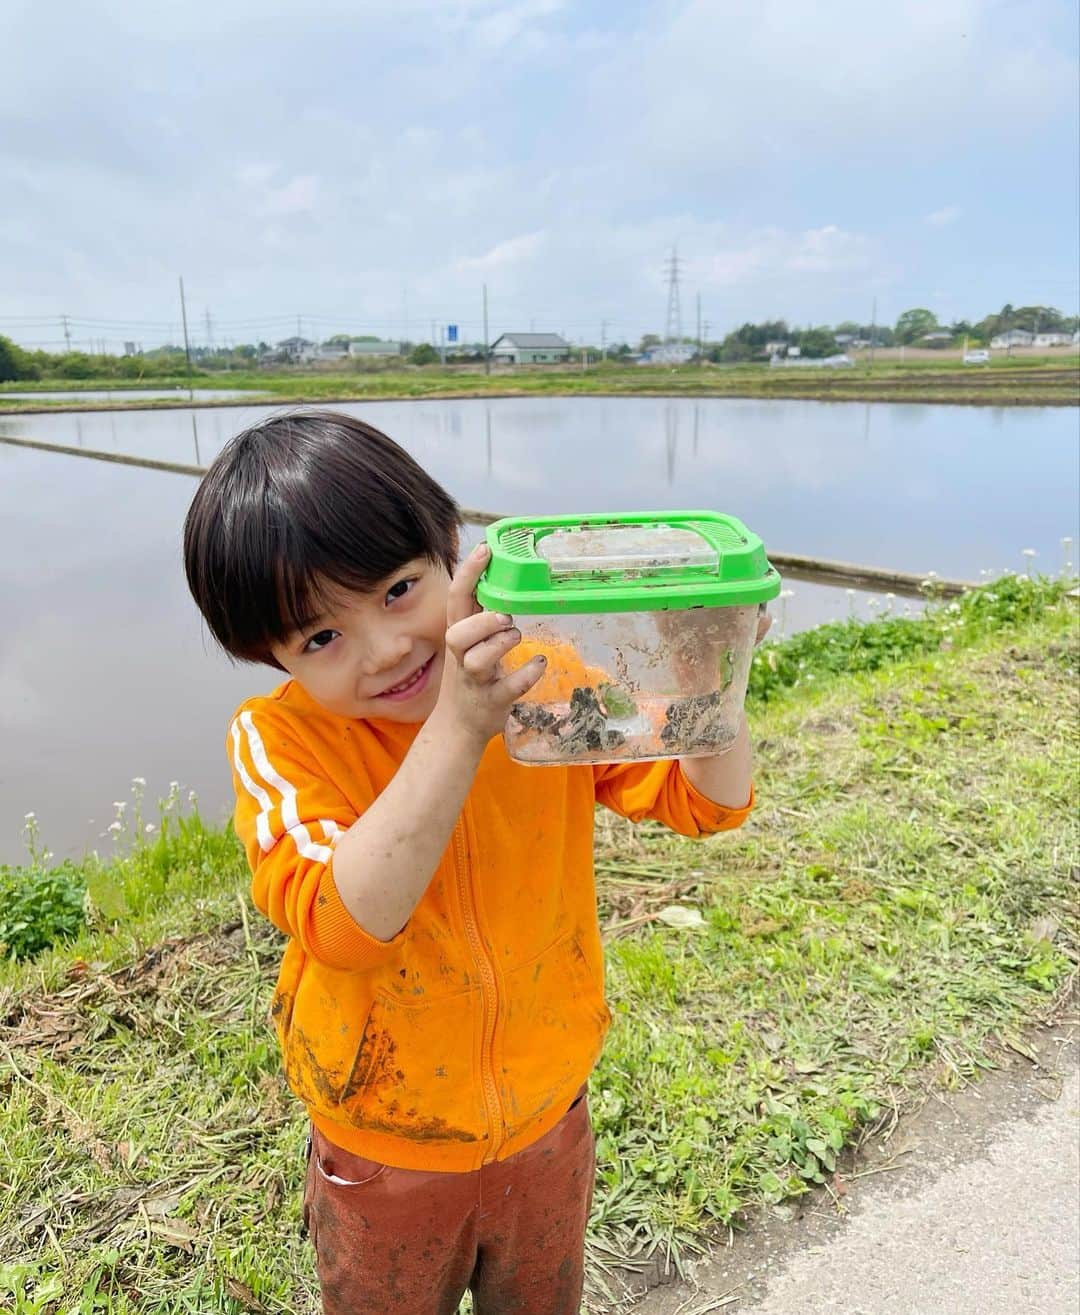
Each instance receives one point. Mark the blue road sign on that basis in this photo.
(451, 333)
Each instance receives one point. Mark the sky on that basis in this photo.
(349, 166)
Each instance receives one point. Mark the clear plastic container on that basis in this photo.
(648, 625)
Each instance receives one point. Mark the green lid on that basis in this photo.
(630, 562)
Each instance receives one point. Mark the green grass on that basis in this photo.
(900, 897)
(1044, 381)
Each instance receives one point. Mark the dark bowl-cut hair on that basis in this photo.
(297, 505)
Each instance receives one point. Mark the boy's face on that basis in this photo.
(376, 654)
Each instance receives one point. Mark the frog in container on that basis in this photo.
(648, 622)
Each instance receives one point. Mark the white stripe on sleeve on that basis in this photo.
(306, 847)
(262, 822)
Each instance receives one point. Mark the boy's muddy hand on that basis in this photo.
(474, 689)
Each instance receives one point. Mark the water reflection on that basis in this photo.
(671, 440)
(106, 673)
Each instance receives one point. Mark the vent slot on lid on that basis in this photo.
(628, 551)
(517, 542)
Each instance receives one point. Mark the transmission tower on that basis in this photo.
(673, 328)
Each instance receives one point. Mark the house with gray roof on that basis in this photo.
(1013, 338)
(297, 350)
(530, 349)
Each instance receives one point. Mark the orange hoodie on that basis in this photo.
(465, 1037)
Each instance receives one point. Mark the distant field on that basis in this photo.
(924, 376)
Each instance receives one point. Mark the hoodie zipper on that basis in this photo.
(488, 993)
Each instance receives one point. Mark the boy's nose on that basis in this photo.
(383, 657)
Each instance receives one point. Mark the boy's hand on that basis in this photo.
(474, 690)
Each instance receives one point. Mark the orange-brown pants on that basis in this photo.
(407, 1242)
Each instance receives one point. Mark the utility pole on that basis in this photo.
(442, 343)
(699, 352)
(187, 345)
(603, 340)
(209, 330)
(873, 332)
(67, 331)
(487, 357)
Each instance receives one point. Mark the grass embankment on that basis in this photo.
(1005, 382)
(900, 897)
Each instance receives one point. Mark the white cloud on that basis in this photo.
(510, 23)
(948, 214)
(299, 195)
(401, 156)
(514, 251)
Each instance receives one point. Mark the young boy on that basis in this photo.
(440, 1003)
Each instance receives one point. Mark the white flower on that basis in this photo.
(29, 817)
(149, 828)
(138, 780)
(119, 805)
(1028, 552)
(114, 826)
(174, 787)
(191, 796)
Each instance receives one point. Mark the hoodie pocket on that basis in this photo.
(552, 1031)
(414, 1073)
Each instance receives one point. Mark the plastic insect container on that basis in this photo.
(647, 621)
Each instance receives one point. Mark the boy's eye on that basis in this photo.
(399, 590)
(320, 639)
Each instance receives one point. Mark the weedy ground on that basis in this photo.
(902, 897)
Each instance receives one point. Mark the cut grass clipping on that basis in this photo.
(903, 892)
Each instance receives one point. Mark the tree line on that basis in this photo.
(915, 327)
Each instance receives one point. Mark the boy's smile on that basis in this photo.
(377, 653)
(412, 685)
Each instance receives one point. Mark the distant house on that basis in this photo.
(530, 349)
(775, 348)
(332, 351)
(844, 339)
(937, 339)
(298, 350)
(1052, 340)
(367, 348)
(1013, 338)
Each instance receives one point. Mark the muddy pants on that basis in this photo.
(407, 1242)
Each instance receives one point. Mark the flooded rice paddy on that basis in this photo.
(107, 674)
